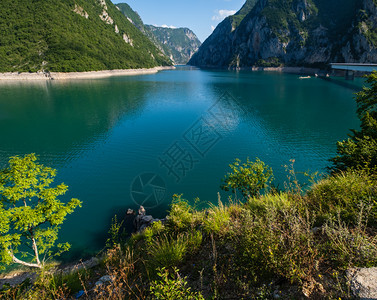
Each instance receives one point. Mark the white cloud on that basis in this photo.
(165, 26)
(221, 14)
(213, 27)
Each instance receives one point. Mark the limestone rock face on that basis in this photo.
(363, 282)
(106, 18)
(217, 50)
(127, 39)
(79, 10)
(292, 33)
(361, 47)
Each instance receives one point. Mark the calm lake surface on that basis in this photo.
(178, 129)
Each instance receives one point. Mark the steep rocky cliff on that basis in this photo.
(294, 33)
(217, 50)
(179, 44)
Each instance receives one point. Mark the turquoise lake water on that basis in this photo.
(175, 132)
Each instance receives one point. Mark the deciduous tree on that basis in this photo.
(360, 149)
(30, 212)
(249, 178)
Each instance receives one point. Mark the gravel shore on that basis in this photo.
(79, 75)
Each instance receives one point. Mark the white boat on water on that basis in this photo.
(304, 77)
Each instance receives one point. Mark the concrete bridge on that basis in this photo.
(351, 68)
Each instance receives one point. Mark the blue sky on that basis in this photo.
(201, 16)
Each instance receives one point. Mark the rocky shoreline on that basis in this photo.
(291, 70)
(78, 75)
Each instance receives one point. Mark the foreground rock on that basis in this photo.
(104, 280)
(142, 220)
(363, 282)
(16, 278)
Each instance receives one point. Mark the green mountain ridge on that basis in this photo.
(179, 44)
(133, 16)
(77, 35)
(309, 33)
(242, 13)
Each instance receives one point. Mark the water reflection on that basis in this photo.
(57, 118)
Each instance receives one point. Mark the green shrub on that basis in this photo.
(182, 216)
(278, 243)
(344, 193)
(172, 286)
(152, 231)
(261, 205)
(168, 251)
(271, 62)
(347, 247)
(17, 292)
(194, 241)
(115, 234)
(73, 281)
(291, 251)
(217, 219)
(249, 178)
(247, 238)
(49, 286)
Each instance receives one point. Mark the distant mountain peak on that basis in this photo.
(179, 44)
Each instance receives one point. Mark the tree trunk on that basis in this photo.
(24, 263)
(35, 248)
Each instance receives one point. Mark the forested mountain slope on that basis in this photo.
(71, 35)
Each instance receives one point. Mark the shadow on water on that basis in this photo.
(98, 240)
(345, 84)
(55, 117)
